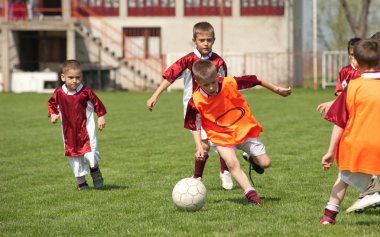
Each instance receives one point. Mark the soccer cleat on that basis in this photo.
(328, 217)
(82, 187)
(97, 179)
(252, 164)
(368, 201)
(253, 197)
(226, 178)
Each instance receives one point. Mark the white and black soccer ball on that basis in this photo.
(189, 194)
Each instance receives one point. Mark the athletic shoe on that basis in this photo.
(368, 201)
(253, 197)
(82, 187)
(328, 218)
(226, 178)
(97, 179)
(252, 164)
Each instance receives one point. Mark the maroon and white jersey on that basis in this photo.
(76, 113)
(345, 75)
(182, 68)
(192, 121)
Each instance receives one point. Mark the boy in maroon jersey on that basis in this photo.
(74, 104)
(203, 39)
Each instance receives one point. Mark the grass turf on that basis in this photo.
(145, 154)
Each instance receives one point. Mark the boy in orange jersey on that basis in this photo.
(224, 115)
(355, 137)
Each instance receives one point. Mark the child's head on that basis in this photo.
(203, 37)
(367, 55)
(350, 47)
(205, 74)
(71, 74)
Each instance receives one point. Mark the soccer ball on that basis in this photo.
(189, 194)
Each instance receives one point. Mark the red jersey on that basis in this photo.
(225, 117)
(76, 112)
(357, 111)
(345, 75)
(182, 68)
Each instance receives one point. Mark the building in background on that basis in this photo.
(126, 44)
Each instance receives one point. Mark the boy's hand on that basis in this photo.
(199, 154)
(101, 123)
(284, 91)
(54, 118)
(150, 103)
(324, 107)
(327, 161)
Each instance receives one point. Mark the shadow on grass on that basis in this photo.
(113, 187)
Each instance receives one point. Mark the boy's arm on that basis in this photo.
(276, 89)
(153, 99)
(53, 108)
(198, 145)
(324, 107)
(328, 158)
(192, 122)
(99, 109)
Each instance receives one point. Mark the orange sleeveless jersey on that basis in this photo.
(226, 117)
(359, 145)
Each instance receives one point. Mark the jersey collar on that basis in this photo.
(196, 52)
(64, 88)
(371, 75)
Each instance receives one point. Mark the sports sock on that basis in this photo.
(332, 207)
(200, 166)
(92, 170)
(81, 181)
(253, 197)
(223, 165)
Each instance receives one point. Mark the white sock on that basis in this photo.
(332, 207)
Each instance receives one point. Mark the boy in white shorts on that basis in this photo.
(225, 116)
(75, 103)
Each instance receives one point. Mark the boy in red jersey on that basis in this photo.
(347, 73)
(75, 104)
(224, 114)
(203, 39)
(355, 137)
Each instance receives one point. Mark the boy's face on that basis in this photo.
(351, 55)
(72, 78)
(203, 42)
(209, 85)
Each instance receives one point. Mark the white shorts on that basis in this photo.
(81, 164)
(251, 146)
(359, 181)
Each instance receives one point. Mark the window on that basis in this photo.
(142, 42)
(151, 7)
(261, 7)
(97, 7)
(208, 7)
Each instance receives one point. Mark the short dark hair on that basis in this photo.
(352, 42)
(376, 36)
(203, 26)
(367, 53)
(70, 64)
(203, 70)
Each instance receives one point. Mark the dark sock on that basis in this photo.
(223, 165)
(92, 170)
(200, 166)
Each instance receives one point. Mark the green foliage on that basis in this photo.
(144, 154)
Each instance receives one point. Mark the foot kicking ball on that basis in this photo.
(189, 194)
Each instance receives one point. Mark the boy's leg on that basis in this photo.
(93, 159)
(255, 154)
(367, 199)
(229, 156)
(332, 208)
(80, 168)
(82, 184)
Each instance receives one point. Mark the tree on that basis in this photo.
(358, 28)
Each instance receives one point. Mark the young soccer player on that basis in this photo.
(224, 114)
(348, 73)
(75, 103)
(203, 39)
(355, 137)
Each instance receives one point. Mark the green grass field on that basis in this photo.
(145, 154)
